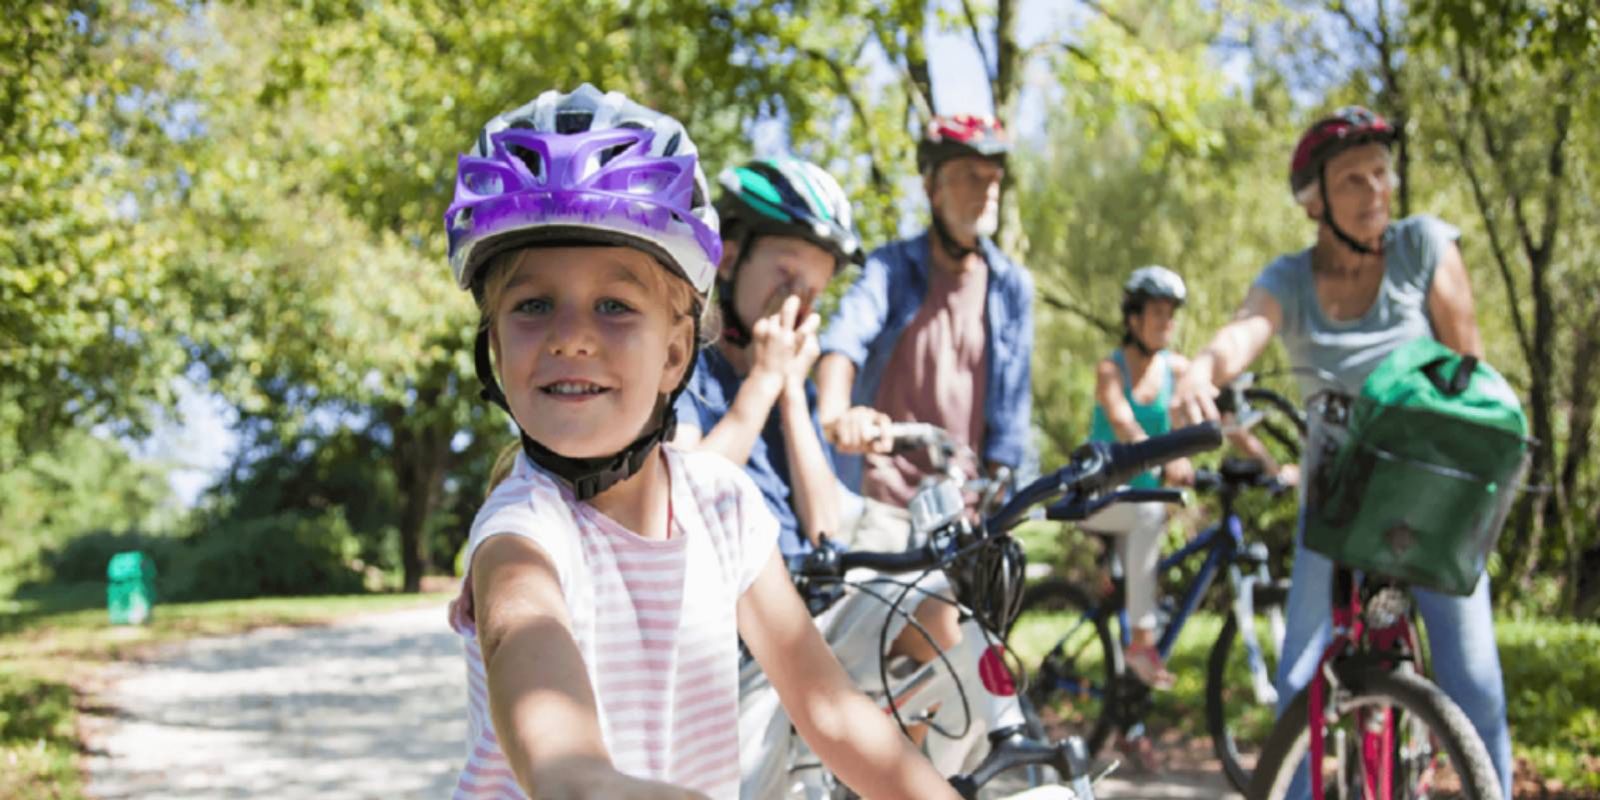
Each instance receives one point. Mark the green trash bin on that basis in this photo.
(130, 588)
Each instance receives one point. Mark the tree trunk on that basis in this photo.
(1583, 394)
(420, 458)
(1003, 89)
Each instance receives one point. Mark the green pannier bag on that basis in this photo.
(1413, 479)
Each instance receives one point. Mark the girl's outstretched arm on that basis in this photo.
(540, 700)
(851, 735)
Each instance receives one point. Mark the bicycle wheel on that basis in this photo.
(1240, 701)
(1436, 753)
(1079, 660)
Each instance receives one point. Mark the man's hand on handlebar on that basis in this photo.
(860, 430)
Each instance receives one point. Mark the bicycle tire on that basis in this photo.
(1231, 745)
(1374, 685)
(1093, 664)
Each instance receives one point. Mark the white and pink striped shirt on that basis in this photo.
(655, 620)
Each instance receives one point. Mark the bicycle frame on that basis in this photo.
(948, 692)
(1222, 544)
(1382, 635)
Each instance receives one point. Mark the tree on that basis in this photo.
(354, 317)
(1520, 85)
(84, 298)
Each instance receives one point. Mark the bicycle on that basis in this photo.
(1085, 664)
(1410, 740)
(984, 565)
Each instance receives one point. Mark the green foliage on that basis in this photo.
(283, 555)
(83, 559)
(1114, 190)
(84, 292)
(84, 483)
(1552, 700)
(36, 736)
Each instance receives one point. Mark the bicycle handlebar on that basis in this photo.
(1093, 468)
(907, 561)
(911, 435)
(1099, 465)
(1235, 399)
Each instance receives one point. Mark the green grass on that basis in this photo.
(52, 645)
(1552, 674)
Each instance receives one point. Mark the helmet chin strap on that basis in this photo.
(734, 329)
(587, 477)
(1139, 345)
(955, 250)
(1327, 217)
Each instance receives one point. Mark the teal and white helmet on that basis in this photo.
(788, 197)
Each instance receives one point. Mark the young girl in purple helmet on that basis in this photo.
(610, 577)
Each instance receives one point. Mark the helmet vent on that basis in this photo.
(573, 121)
(612, 152)
(531, 158)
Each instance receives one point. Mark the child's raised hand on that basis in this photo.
(775, 343)
(805, 357)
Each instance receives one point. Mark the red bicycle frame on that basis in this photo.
(1388, 643)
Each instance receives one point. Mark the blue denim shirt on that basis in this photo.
(703, 404)
(885, 299)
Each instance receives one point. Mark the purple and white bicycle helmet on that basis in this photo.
(594, 168)
(585, 166)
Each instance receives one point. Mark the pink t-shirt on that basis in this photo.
(655, 621)
(936, 375)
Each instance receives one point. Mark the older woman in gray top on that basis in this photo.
(1364, 288)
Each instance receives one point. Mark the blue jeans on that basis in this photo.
(1465, 659)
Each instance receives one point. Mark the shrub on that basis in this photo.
(283, 554)
(83, 559)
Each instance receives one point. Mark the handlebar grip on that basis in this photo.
(1123, 461)
(909, 436)
(908, 561)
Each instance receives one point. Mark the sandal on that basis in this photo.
(1146, 665)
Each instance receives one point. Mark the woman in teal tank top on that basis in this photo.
(1133, 389)
(1152, 416)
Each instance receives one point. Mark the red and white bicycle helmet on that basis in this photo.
(1327, 137)
(957, 135)
(1345, 128)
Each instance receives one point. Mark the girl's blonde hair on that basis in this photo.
(682, 303)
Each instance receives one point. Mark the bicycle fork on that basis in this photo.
(1244, 601)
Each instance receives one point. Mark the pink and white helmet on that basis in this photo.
(585, 166)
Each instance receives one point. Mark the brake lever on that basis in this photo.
(1243, 421)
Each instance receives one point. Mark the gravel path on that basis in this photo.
(370, 707)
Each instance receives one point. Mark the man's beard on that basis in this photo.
(984, 226)
(988, 222)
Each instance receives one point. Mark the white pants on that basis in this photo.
(1139, 528)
